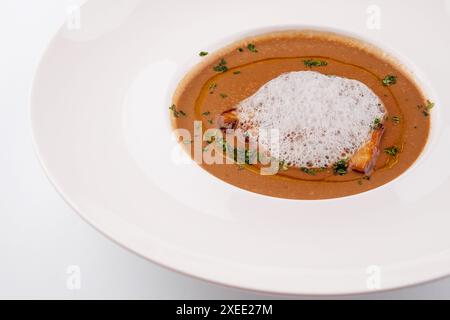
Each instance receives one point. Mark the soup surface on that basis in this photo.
(233, 74)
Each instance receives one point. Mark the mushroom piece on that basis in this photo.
(365, 158)
(228, 120)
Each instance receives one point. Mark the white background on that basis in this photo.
(40, 235)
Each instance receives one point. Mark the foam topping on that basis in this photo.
(321, 119)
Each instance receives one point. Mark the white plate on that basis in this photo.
(99, 115)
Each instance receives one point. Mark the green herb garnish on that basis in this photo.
(211, 140)
(176, 113)
(206, 113)
(173, 108)
(203, 53)
(426, 108)
(341, 167)
(377, 124)
(389, 80)
(392, 151)
(236, 72)
(223, 95)
(312, 171)
(251, 47)
(210, 121)
(315, 63)
(249, 156)
(360, 181)
(212, 87)
(396, 119)
(222, 66)
(226, 148)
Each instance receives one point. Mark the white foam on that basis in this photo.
(321, 119)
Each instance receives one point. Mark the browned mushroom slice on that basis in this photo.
(365, 158)
(228, 120)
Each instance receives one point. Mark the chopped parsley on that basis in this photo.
(210, 121)
(426, 108)
(251, 47)
(392, 151)
(221, 67)
(212, 87)
(360, 181)
(211, 139)
(226, 148)
(240, 156)
(315, 63)
(203, 53)
(377, 124)
(236, 72)
(341, 167)
(396, 119)
(250, 156)
(389, 80)
(176, 113)
(311, 171)
(206, 113)
(223, 95)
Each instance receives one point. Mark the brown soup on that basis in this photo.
(232, 74)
